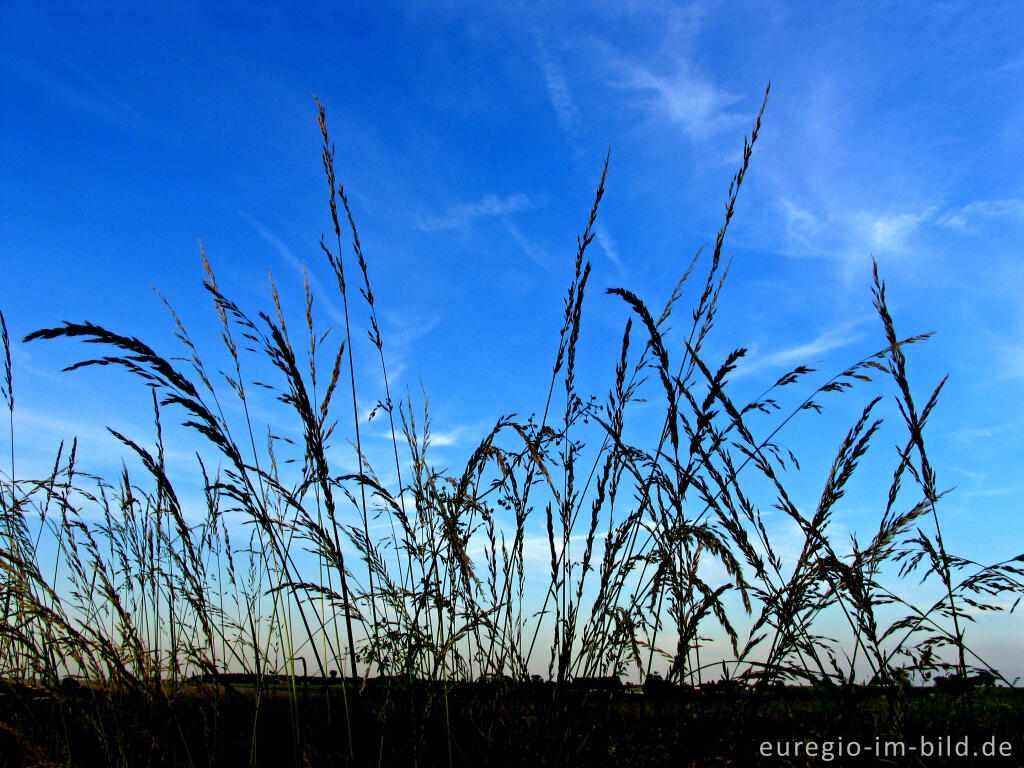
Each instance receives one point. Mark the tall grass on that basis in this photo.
(113, 581)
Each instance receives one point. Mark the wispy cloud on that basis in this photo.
(320, 294)
(849, 236)
(489, 205)
(458, 435)
(1010, 358)
(837, 232)
(558, 94)
(82, 92)
(1011, 490)
(887, 232)
(96, 443)
(803, 229)
(405, 328)
(977, 477)
(967, 216)
(804, 353)
(569, 121)
(683, 97)
(400, 328)
(534, 252)
(664, 81)
(608, 244)
(449, 437)
(967, 434)
(537, 550)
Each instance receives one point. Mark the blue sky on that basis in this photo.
(470, 139)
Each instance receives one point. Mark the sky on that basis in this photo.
(470, 138)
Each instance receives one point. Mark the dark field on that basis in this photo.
(500, 723)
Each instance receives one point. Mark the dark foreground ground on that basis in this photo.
(394, 723)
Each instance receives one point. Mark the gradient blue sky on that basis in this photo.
(470, 138)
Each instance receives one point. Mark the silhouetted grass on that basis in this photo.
(143, 635)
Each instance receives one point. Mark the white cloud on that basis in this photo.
(807, 352)
(561, 100)
(693, 102)
(977, 477)
(97, 447)
(882, 232)
(1012, 490)
(537, 550)
(534, 252)
(964, 217)
(803, 229)
(400, 330)
(61, 78)
(608, 244)
(320, 295)
(850, 237)
(451, 437)
(1011, 361)
(489, 205)
(438, 439)
(406, 328)
(967, 434)
(396, 370)
(678, 93)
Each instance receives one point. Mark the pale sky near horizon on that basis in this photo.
(470, 139)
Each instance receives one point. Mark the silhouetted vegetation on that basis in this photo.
(139, 632)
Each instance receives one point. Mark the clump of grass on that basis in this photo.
(141, 595)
